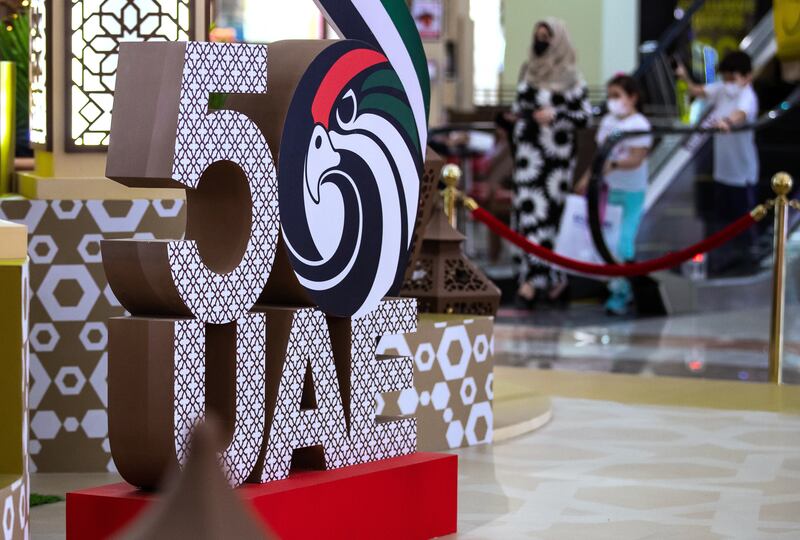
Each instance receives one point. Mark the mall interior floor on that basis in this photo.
(729, 345)
(642, 428)
(609, 470)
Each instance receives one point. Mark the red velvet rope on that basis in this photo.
(615, 270)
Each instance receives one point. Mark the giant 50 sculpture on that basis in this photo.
(302, 197)
(345, 193)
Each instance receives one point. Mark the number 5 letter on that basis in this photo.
(164, 135)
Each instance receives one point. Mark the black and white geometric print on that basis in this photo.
(239, 459)
(372, 375)
(189, 382)
(205, 138)
(544, 166)
(309, 347)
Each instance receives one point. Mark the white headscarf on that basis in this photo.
(555, 70)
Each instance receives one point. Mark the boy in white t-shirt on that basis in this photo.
(735, 154)
(625, 174)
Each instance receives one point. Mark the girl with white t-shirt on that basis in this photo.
(625, 174)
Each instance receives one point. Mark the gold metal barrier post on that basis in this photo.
(782, 186)
(451, 174)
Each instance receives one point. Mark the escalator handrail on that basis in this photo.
(596, 177)
(669, 37)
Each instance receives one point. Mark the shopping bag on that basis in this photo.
(574, 236)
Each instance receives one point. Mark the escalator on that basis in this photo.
(679, 195)
(675, 218)
(681, 161)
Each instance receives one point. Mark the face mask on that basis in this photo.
(539, 47)
(732, 89)
(617, 108)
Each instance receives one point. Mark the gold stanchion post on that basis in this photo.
(451, 174)
(781, 185)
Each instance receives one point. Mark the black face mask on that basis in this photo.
(539, 47)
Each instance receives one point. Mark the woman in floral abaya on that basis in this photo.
(551, 105)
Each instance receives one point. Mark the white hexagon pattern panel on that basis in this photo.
(70, 305)
(15, 501)
(452, 394)
(71, 302)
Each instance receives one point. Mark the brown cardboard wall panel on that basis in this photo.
(71, 303)
(453, 375)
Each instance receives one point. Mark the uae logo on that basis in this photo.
(349, 179)
(351, 159)
(220, 320)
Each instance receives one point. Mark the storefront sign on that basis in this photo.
(429, 16)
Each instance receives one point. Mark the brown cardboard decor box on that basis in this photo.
(453, 375)
(71, 207)
(71, 303)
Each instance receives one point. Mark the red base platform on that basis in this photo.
(411, 497)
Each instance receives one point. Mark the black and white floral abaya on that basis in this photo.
(543, 172)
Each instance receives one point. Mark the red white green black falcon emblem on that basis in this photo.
(351, 159)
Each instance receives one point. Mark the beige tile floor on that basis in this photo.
(603, 470)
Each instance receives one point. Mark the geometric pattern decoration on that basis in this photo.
(458, 276)
(429, 191)
(94, 30)
(71, 303)
(15, 510)
(189, 383)
(69, 364)
(164, 374)
(453, 375)
(374, 374)
(39, 74)
(308, 411)
(443, 279)
(239, 459)
(204, 139)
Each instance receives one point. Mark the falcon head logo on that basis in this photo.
(349, 179)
